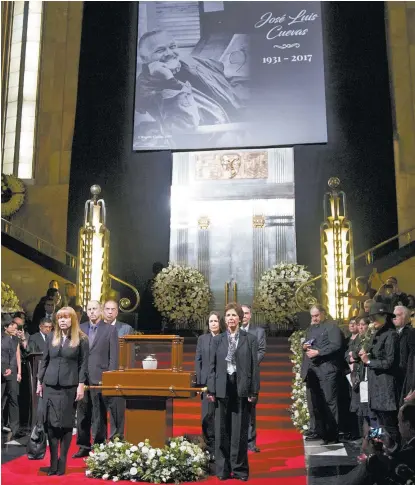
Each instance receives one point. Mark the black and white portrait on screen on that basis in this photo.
(204, 78)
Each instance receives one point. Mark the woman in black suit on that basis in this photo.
(382, 363)
(214, 326)
(61, 378)
(233, 383)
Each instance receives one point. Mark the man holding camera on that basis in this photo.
(388, 463)
(390, 294)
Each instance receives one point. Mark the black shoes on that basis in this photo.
(52, 472)
(312, 437)
(81, 453)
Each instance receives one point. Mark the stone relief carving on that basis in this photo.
(231, 165)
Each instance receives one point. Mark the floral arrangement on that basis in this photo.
(276, 291)
(298, 409)
(181, 293)
(12, 194)
(179, 461)
(9, 300)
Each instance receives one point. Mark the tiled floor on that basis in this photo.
(327, 465)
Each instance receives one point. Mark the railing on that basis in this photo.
(368, 255)
(68, 259)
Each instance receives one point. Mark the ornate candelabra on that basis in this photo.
(337, 262)
(93, 251)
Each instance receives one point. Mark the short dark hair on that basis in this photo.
(392, 278)
(21, 315)
(247, 306)
(52, 292)
(222, 326)
(78, 308)
(45, 320)
(364, 318)
(237, 307)
(51, 300)
(408, 413)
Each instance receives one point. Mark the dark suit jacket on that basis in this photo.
(64, 365)
(123, 329)
(330, 345)
(259, 334)
(36, 343)
(404, 350)
(103, 353)
(247, 368)
(383, 369)
(202, 359)
(8, 355)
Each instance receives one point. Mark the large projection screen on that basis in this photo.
(214, 75)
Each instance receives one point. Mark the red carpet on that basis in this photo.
(281, 461)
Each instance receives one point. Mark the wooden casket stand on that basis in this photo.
(149, 394)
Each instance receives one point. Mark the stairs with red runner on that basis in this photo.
(281, 460)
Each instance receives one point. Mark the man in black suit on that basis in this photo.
(116, 403)
(46, 309)
(259, 334)
(103, 356)
(402, 322)
(37, 341)
(10, 373)
(322, 362)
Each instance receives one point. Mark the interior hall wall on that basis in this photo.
(29, 280)
(136, 186)
(401, 48)
(44, 212)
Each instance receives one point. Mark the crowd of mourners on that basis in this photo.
(361, 387)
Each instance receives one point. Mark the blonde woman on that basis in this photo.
(61, 378)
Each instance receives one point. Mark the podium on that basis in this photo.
(33, 361)
(149, 377)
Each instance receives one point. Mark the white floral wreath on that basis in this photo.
(181, 293)
(275, 296)
(12, 195)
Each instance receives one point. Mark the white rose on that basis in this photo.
(173, 469)
(141, 444)
(115, 479)
(144, 449)
(118, 445)
(88, 472)
(133, 449)
(159, 453)
(173, 445)
(105, 476)
(111, 444)
(133, 471)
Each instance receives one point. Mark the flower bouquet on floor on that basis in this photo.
(179, 461)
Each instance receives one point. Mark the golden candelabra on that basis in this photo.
(337, 268)
(93, 251)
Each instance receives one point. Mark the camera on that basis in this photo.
(376, 434)
(390, 287)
